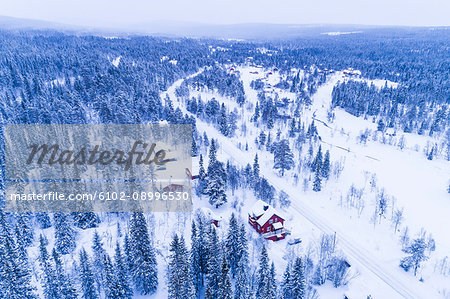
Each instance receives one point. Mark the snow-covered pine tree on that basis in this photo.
(286, 285)
(202, 180)
(216, 190)
(325, 169)
(214, 263)
(232, 244)
(64, 284)
(263, 276)
(298, 283)
(194, 149)
(64, 234)
(216, 179)
(196, 260)
(123, 279)
(223, 123)
(110, 282)
(48, 272)
(225, 291)
(256, 114)
(317, 184)
(98, 264)
(127, 253)
(15, 274)
(292, 128)
(317, 162)
(272, 283)
(43, 220)
(144, 267)
(85, 220)
(25, 228)
(88, 290)
(283, 157)
(255, 169)
(241, 286)
(212, 153)
(180, 284)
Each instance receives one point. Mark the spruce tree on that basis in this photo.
(202, 181)
(214, 271)
(272, 284)
(325, 169)
(298, 280)
(241, 289)
(255, 168)
(66, 289)
(232, 245)
(64, 234)
(48, 272)
(143, 260)
(15, 274)
(179, 275)
(110, 282)
(85, 220)
(216, 191)
(286, 285)
(263, 276)
(223, 123)
(88, 290)
(43, 220)
(98, 260)
(225, 291)
(196, 259)
(317, 163)
(283, 157)
(317, 184)
(123, 279)
(25, 227)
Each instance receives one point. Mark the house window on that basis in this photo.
(275, 219)
(259, 227)
(270, 221)
(268, 229)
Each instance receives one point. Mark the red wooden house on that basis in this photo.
(267, 221)
(173, 188)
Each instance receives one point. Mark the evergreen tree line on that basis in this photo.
(214, 268)
(217, 78)
(407, 108)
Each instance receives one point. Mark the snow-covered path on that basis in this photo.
(390, 283)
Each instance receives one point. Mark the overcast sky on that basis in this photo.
(107, 13)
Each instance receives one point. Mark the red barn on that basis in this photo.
(173, 188)
(267, 221)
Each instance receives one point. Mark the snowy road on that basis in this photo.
(392, 281)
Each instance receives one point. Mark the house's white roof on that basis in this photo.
(210, 214)
(258, 208)
(264, 211)
(277, 225)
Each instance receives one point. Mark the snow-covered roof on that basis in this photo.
(210, 214)
(258, 208)
(264, 211)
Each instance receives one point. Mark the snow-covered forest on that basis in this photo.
(345, 138)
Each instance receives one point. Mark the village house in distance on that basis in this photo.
(267, 221)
